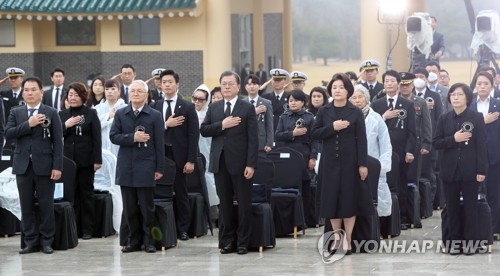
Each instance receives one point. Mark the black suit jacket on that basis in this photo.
(84, 149)
(46, 152)
(470, 159)
(376, 92)
(240, 143)
(278, 106)
(184, 138)
(47, 97)
(492, 132)
(10, 102)
(122, 93)
(401, 130)
(262, 76)
(154, 95)
(438, 43)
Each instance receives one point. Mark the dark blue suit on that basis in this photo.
(136, 167)
(35, 156)
(493, 176)
(181, 146)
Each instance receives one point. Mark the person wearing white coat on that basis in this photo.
(379, 146)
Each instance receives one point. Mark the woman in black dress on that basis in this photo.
(82, 144)
(340, 126)
(461, 134)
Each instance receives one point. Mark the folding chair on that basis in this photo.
(286, 196)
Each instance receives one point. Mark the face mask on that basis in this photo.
(432, 77)
(419, 83)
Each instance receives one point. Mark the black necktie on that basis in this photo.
(56, 100)
(370, 87)
(252, 102)
(14, 95)
(277, 97)
(420, 94)
(32, 111)
(126, 94)
(391, 103)
(227, 112)
(169, 109)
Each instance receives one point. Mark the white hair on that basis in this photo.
(143, 83)
(362, 89)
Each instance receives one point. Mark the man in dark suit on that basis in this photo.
(181, 143)
(232, 124)
(138, 130)
(156, 93)
(399, 116)
(54, 95)
(37, 163)
(127, 75)
(13, 97)
(279, 98)
(261, 73)
(264, 111)
(245, 72)
(370, 69)
(437, 47)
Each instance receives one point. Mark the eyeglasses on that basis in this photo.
(458, 94)
(224, 84)
(195, 99)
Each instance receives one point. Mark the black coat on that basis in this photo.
(376, 92)
(184, 138)
(138, 163)
(47, 97)
(343, 194)
(303, 144)
(278, 106)
(492, 132)
(402, 131)
(85, 146)
(10, 102)
(470, 160)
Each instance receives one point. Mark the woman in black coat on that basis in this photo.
(82, 144)
(294, 131)
(340, 126)
(461, 135)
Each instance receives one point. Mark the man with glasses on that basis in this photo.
(182, 133)
(232, 124)
(278, 98)
(127, 74)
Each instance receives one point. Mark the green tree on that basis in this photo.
(325, 44)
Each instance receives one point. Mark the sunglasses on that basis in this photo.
(195, 99)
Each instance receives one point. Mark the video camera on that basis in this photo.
(486, 40)
(419, 37)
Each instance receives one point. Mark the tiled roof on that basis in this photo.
(94, 6)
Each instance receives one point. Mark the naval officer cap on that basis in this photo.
(157, 72)
(14, 72)
(407, 78)
(298, 76)
(278, 73)
(370, 64)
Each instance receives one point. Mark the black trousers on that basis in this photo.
(37, 231)
(403, 190)
(181, 197)
(139, 202)
(493, 196)
(84, 200)
(452, 193)
(237, 227)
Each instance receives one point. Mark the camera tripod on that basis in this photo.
(485, 57)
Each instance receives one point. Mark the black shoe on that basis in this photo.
(87, 237)
(404, 226)
(131, 248)
(227, 249)
(28, 250)
(242, 250)
(418, 225)
(348, 252)
(150, 249)
(183, 236)
(47, 249)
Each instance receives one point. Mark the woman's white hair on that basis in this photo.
(364, 90)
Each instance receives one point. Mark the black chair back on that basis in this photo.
(6, 160)
(165, 186)
(68, 178)
(289, 167)
(373, 177)
(263, 180)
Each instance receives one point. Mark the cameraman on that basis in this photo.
(437, 48)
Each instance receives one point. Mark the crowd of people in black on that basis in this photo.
(413, 123)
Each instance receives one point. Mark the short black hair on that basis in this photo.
(465, 88)
(392, 73)
(352, 75)
(126, 65)
(170, 73)
(421, 70)
(345, 80)
(33, 79)
(433, 63)
(253, 79)
(56, 70)
(299, 95)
